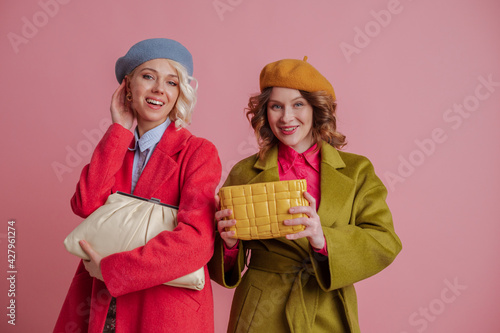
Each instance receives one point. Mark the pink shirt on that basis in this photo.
(292, 165)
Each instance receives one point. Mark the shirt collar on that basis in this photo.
(149, 139)
(287, 157)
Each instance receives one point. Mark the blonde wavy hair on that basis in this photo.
(324, 120)
(183, 109)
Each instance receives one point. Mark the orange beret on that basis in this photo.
(294, 74)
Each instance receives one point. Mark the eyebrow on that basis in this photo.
(276, 101)
(154, 70)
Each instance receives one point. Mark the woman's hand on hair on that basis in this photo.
(313, 230)
(121, 113)
(222, 224)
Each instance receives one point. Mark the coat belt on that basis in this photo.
(295, 307)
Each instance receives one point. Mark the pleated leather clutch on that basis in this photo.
(261, 208)
(124, 223)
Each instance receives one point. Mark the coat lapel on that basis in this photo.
(128, 165)
(161, 165)
(336, 188)
(269, 168)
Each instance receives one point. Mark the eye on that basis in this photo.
(275, 107)
(147, 76)
(172, 83)
(299, 104)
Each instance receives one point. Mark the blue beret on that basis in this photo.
(149, 49)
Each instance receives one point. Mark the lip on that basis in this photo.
(284, 131)
(154, 106)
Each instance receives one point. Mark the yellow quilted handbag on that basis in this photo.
(260, 209)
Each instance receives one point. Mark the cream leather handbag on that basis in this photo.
(124, 223)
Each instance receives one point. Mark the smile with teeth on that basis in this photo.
(154, 101)
(288, 129)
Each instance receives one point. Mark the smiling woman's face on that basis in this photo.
(290, 117)
(155, 87)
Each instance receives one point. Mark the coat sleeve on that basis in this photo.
(365, 244)
(98, 177)
(231, 278)
(172, 254)
(239, 175)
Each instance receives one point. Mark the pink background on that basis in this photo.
(397, 79)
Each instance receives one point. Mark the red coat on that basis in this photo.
(183, 171)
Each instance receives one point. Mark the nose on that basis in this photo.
(159, 87)
(286, 115)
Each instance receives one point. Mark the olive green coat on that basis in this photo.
(290, 288)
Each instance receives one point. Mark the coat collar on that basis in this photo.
(162, 165)
(335, 186)
(269, 166)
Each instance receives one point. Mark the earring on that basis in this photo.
(129, 96)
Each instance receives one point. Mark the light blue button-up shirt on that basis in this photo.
(148, 140)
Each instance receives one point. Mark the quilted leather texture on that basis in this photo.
(261, 208)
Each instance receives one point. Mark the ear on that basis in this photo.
(127, 83)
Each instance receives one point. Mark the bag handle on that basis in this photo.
(152, 200)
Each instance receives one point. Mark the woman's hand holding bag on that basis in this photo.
(313, 230)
